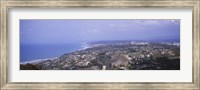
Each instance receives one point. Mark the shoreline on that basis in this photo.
(38, 60)
(84, 46)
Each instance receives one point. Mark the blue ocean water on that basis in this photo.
(29, 52)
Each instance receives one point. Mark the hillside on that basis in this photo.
(117, 56)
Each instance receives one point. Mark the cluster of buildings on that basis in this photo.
(122, 54)
(129, 55)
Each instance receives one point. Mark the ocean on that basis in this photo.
(30, 52)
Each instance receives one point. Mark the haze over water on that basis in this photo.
(52, 38)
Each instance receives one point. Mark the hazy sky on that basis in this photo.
(64, 31)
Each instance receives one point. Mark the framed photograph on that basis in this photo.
(102, 44)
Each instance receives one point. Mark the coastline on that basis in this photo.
(84, 46)
(38, 60)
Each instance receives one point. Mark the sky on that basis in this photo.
(77, 30)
